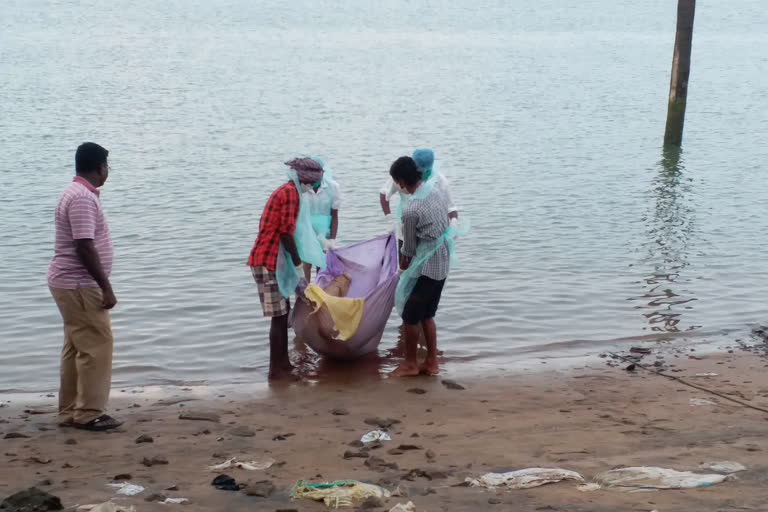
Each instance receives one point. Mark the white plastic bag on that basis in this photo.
(127, 488)
(174, 501)
(375, 435)
(651, 479)
(107, 506)
(250, 466)
(725, 466)
(408, 507)
(524, 478)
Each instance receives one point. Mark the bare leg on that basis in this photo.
(279, 364)
(307, 271)
(430, 366)
(409, 367)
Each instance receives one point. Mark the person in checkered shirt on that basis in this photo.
(277, 225)
(424, 221)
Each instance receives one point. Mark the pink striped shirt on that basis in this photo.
(78, 216)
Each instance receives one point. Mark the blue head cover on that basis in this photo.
(425, 159)
(318, 160)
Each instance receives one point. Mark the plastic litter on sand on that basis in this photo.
(127, 488)
(524, 478)
(652, 478)
(337, 494)
(174, 501)
(107, 506)
(725, 466)
(375, 435)
(251, 466)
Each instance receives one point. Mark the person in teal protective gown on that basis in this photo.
(324, 201)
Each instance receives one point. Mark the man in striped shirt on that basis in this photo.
(425, 221)
(78, 277)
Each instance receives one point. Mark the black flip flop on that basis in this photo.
(103, 422)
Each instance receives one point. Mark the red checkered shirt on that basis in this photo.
(279, 218)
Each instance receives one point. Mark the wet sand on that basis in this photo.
(587, 419)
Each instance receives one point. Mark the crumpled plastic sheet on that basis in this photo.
(107, 506)
(701, 401)
(725, 466)
(408, 507)
(127, 488)
(524, 478)
(653, 478)
(250, 466)
(375, 435)
(174, 501)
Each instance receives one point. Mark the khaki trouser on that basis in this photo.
(86, 358)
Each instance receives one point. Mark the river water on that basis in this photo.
(548, 119)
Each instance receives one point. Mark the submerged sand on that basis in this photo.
(588, 419)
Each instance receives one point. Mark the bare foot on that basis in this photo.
(406, 369)
(429, 367)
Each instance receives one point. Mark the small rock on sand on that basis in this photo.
(70, 441)
(371, 502)
(156, 496)
(452, 384)
(351, 455)
(200, 416)
(261, 488)
(31, 500)
(377, 464)
(225, 483)
(242, 431)
(174, 401)
(340, 412)
(381, 423)
(121, 476)
(15, 435)
(416, 391)
(422, 473)
(144, 438)
(39, 460)
(157, 460)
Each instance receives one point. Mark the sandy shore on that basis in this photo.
(588, 419)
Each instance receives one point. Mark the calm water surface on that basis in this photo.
(547, 117)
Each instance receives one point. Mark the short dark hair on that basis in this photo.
(89, 157)
(406, 170)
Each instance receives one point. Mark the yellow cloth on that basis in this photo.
(346, 313)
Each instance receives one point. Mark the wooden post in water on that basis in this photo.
(681, 68)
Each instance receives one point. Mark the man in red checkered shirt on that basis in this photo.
(277, 225)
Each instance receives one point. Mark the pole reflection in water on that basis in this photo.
(670, 229)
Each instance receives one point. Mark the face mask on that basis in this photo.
(306, 187)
